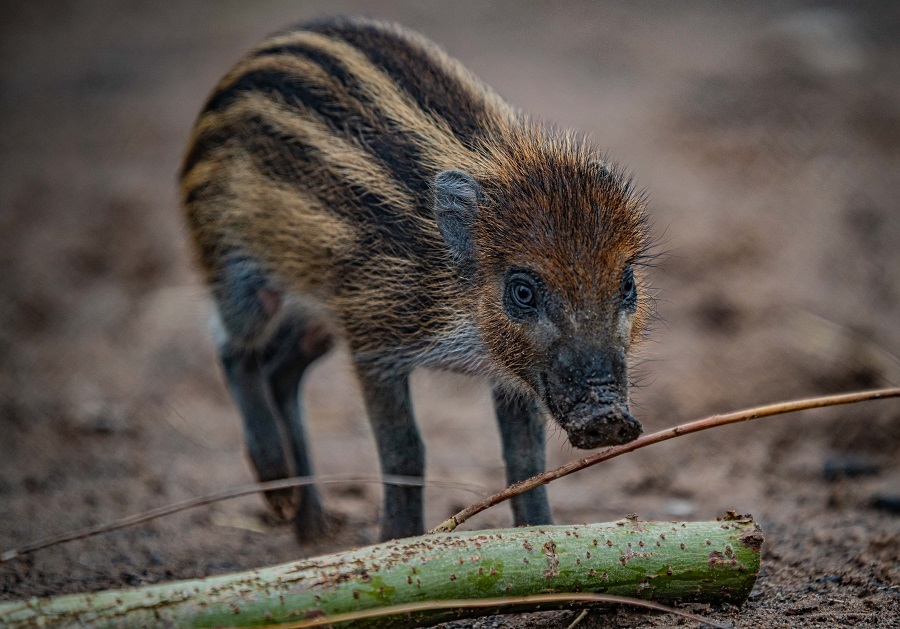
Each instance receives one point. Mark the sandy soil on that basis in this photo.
(767, 136)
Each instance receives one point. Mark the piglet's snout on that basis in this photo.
(600, 419)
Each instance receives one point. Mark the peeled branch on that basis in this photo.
(666, 562)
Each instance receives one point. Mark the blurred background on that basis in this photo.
(767, 137)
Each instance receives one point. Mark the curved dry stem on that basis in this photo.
(226, 494)
(465, 514)
(532, 601)
(656, 437)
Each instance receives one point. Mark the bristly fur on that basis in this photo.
(315, 157)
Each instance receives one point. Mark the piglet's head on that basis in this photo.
(553, 255)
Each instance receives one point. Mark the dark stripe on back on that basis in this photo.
(344, 113)
(387, 230)
(333, 67)
(204, 145)
(424, 80)
(289, 160)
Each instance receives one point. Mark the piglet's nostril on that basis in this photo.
(600, 379)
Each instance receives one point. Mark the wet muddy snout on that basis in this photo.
(588, 398)
(594, 426)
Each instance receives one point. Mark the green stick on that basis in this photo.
(667, 562)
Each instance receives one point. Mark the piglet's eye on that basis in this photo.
(629, 289)
(521, 295)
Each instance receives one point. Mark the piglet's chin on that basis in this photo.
(591, 427)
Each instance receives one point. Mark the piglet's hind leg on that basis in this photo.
(265, 352)
(296, 346)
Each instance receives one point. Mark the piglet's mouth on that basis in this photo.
(591, 427)
(599, 418)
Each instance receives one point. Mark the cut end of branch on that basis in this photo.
(752, 538)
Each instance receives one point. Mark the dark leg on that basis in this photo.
(264, 372)
(400, 450)
(265, 385)
(522, 434)
(294, 349)
(262, 431)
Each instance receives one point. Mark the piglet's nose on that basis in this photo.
(616, 428)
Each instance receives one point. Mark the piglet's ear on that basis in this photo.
(456, 197)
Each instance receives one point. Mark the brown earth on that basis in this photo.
(767, 135)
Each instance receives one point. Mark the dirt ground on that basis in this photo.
(768, 138)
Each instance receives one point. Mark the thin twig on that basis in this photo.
(504, 601)
(462, 516)
(227, 494)
(578, 619)
(656, 437)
